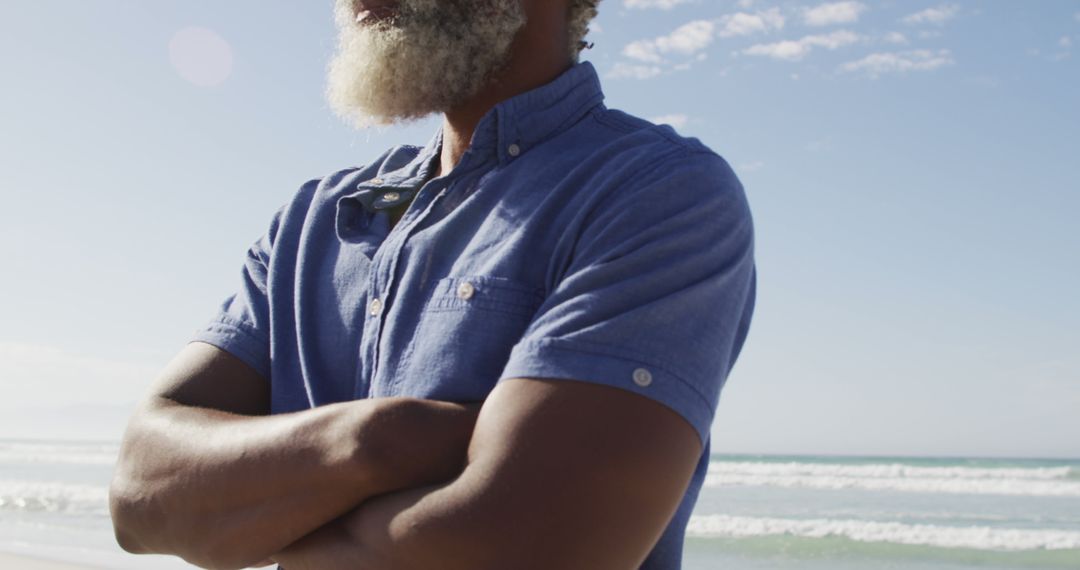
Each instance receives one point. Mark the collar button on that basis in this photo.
(466, 291)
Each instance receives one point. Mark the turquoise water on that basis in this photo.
(755, 512)
(810, 512)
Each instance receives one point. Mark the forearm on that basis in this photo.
(548, 485)
(223, 490)
(460, 524)
(376, 536)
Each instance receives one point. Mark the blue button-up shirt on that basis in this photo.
(572, 241)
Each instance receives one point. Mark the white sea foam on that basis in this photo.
(66, 498)
(892, 470)
(974, 537)
(59, 453)
(1024, 481)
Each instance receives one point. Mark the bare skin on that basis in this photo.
(561, 474)
(204, 474)
(538, 55)
(536, 446)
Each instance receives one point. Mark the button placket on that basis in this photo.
(392, 247)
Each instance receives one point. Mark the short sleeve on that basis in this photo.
(658, 294)
(241, 326)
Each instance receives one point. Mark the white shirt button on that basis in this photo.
(465, 291)
(391, 196)
(642, 377)
(513, 150)
(375, 307)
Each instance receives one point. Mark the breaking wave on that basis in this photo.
(1025, 481)
(972, 537)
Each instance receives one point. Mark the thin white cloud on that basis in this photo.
(1077, 16)
(643, 50)
(632, 71)
(796, 50)
(745, 24)
(751, 166)
(877, 64)
(833, 13)
(837, 39)
(787, 50)
(647, 4)
(677, 120)
(937, 16)
(687, 39)
(1065, 43)
(895, 38)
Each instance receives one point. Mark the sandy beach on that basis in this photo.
(15, 562)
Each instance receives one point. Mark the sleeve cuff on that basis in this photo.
(236, 339)
(569, 360)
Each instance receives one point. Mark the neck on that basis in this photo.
(537, 56)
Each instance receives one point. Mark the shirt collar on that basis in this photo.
(516, 125)
(511, 128)
(393, 174)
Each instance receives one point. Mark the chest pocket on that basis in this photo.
(464, 337)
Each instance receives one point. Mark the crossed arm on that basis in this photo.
(560, 474)
(557, 474)
(206, 475)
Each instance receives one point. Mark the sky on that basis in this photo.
(913, 169)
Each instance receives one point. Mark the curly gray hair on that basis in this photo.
(581, 13)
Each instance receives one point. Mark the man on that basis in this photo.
(500, 350)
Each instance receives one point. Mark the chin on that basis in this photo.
(405, 69)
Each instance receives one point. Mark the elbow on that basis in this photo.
(128, 518)
(149, 517)
(127, 540)
(225, 555)
(143, 524)
(135, 505)
(134, 509)
(140, 525)
(140, 528)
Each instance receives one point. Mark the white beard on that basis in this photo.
(432, 56)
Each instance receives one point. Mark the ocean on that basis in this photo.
(755, 512)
